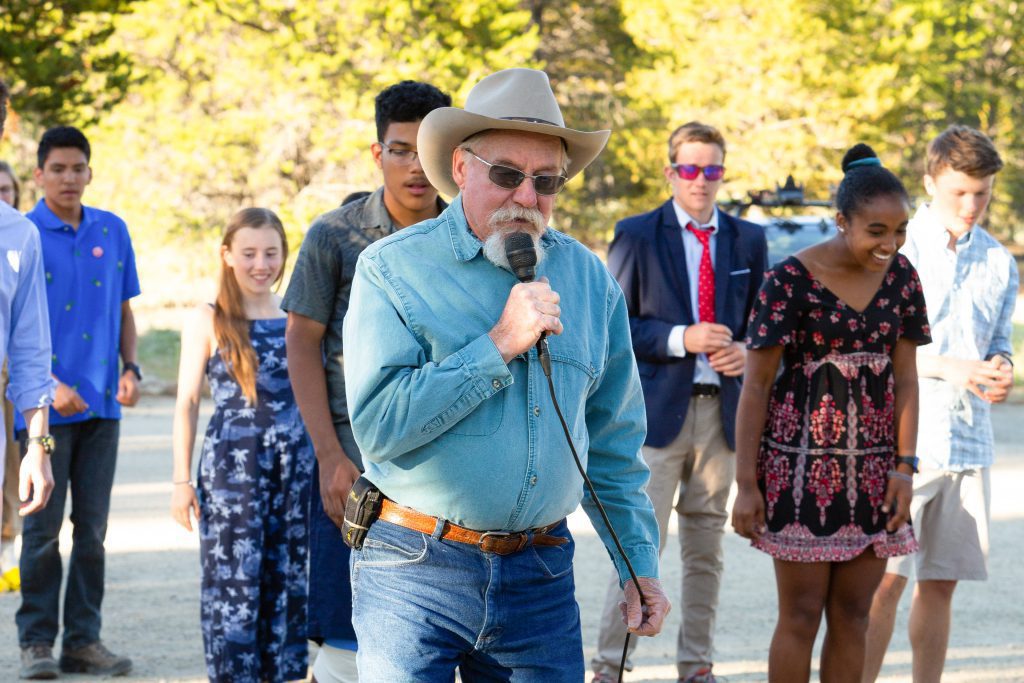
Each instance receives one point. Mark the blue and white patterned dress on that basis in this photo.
(253, 489)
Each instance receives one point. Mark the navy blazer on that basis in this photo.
(646, 257)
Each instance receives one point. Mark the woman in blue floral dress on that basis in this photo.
(252, 491)
(825, 448)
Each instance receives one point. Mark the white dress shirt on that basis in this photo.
(694, 250)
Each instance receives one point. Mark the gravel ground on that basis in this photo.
(151, 610)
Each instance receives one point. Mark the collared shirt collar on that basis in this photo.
(45, 218)
(465, 243)
(685, 218)
(375, 212)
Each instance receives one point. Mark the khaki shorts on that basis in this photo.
(950, 512)
(334, 665)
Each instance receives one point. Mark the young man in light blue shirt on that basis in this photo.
(25, 340)
(970, 285)
(470, 564)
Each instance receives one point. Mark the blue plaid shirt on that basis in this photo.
(970, 295)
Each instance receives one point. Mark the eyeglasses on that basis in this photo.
(402, 157)
(509, 178)
(691, 171)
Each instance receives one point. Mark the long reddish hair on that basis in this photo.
(230, 323)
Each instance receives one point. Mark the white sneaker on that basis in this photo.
(335, 665)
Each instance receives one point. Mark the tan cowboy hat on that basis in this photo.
(513, 99)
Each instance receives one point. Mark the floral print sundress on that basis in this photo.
(829, 440)
(253, 489)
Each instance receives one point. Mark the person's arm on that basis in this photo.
(394, 391)
(31, 387)
(128, 383)
(196, 347)
(656, 340)
(762, 364)
(35, 477)
(964, 373)
(303, 337)
(616, 426)
(1000, 349)
(905, 390)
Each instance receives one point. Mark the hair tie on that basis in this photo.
(867, 161)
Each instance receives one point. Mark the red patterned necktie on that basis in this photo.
(706, 276)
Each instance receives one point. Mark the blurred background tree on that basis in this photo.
(58, 60)
(198, 107)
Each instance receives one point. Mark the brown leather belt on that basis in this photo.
(497, 542)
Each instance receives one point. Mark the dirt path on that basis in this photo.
(151, 609)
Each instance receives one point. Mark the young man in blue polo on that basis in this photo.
(90, 277)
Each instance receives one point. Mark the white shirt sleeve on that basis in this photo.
(676, 347)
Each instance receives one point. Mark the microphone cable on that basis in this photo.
(522, 258)
(545, 363)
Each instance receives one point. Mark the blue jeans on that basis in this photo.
(329, 607)
(85, 457)
(423, 606)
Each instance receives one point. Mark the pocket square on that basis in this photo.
(740, 272)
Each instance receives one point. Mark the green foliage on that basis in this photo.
(235, 103)
(57, 59)
(159, 351)
(933, 64)
(271, 103)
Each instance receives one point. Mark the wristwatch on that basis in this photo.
(911, 460)
(133, 368)
(46, 441)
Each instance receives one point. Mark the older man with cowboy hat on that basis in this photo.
(469, 565)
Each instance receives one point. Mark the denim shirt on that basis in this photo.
(447, 428)
(970, 294)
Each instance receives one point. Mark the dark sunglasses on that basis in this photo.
(691, 171)
(509, 178)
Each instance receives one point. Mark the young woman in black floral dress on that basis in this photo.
(825, 449)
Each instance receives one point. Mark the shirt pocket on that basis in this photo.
(484, 420)
(574, 375)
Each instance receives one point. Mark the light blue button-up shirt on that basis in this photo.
(24, 323)
(970, 294)
(447, 428)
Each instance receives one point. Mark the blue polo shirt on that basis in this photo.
(89, 272)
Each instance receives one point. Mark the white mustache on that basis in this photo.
(499, 218)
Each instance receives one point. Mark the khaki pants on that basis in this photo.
(701, 465)
(12, 463)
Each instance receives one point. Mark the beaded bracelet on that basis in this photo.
(896, 474)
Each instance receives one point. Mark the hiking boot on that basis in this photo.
(37, 663)
(94, 658)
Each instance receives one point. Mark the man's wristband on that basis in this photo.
(896, 474)
(126, 367)
(46, 441)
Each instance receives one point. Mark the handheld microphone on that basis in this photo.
(522, 259)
